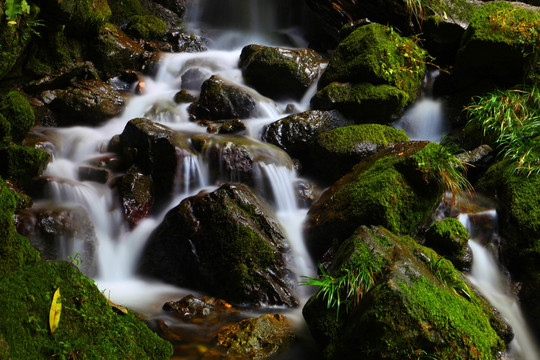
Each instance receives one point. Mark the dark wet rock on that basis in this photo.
(221, 101)
(135, 190)
(449, 238)
(87, 102)
(294, 133)
(177, 6)
(479, 159)
(182, 42)
(159, 152)
(165, 11)
(278, 72)
(306, 193)
(115, 51)
(254, 338)
(61, 232)
(336, 151)
(363, 102)
(184, 96)
(498, 46)
(193, 78)
(223, 243)
(411, 301)
(63, 78)
(377, 55)
(199, 309)
(237, 158)
(94, 173)
(397, 188)
(443, 37)
(232, 127)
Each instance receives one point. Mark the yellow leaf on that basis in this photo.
(12, 22)
(56, 309)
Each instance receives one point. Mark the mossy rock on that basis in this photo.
(412, 302)
(22, 163)
(14, 40)
(85, 16)
(449, 238)
(88, 326)
(123, 10)
(335, 152)
(362, 102)
(500, 44)
(15, 250)
(147, 27)
(519, 210)
(397, 188)
(375, 54)
(18, 112)
(5, 130)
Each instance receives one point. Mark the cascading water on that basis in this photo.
(487, 277)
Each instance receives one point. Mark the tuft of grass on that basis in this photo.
(512, 118)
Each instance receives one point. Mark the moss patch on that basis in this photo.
(147, 27)
(449, 238)
(88, 327)
(86, 15)
(21, 163)
(17, 110)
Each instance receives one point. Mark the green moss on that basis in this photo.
(17, 110)
(88, 327)
(13, 40)
(362, 102)
(21, 163)
(147, 27)
(125, 9)
(86, 15)
(344, 139)
(449, 238)
(5, 130)
(376, 54)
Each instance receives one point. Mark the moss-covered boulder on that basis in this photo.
(84, 16)
(15, 250)
(336, 151)
(22, 164)
(375, 54)
(87, 102)
(14, 40)
(220, 100)
(362, 102)
(147, 27)
(279, 72)
(410, 303)
(500, 46)
(18, 112)
(449, 238)
(398, 188)
(224, 243)
(88, 326)
(295, 132)
(519, 210)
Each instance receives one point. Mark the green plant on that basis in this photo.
(444, 272)
(15, 9)
(76, 259)
(346, 289)
(512, 118)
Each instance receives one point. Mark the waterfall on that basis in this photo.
(487, 277)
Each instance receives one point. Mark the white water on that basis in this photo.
(488, 279)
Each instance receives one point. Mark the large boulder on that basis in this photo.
(362, 102)
(279, 72)
(336, 151)
(224, 243)
(295, 132)
(377, 55)
(159, 152)
(500, 46)
(22, 164)
(519, 223)
(405, 301)
(61, 232)
(27, 295)
(398, 188)
(220, 100)
(86, 102)
(18, 112)
(83, 16)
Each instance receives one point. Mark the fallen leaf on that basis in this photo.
(56, 309)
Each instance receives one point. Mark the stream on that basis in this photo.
(120, 247)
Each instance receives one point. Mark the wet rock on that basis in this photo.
(177, 6)
(388, 189)
(255, 338)
(336, 151)
(479, 159)
(409, 301)
(135, 192)
(83, 16)
(63, 78)
(184, 96)
(362, 103)
(183, 42)
(220, 101)
(199, 309)
(116, 52)
(193, 78)
(306, 193)
(165, 11)
(160, 153)
(87, 102)
(224, 243)
(232, 127)
(449, 238)
(93, 173)
(278, 72)
(61, 232)
(294, 133)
